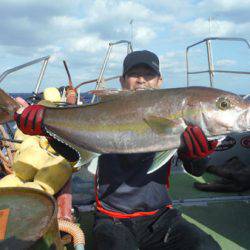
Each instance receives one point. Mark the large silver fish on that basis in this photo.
(143, 120)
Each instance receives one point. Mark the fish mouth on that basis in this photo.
(213, 125)
(244, 120)
(227, 122)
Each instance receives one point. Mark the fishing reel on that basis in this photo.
(35, 98)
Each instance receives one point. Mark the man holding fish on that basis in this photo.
(133, 207)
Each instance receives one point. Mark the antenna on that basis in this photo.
(210, 55)
(209, 20)
(131, 30)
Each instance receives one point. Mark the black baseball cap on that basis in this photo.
(141, 57)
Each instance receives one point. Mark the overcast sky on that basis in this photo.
(80, 31)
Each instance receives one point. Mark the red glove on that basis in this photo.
(195, 144)
(31, 119)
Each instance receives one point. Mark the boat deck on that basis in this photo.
(226, 216)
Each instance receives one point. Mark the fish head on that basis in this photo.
(223, 112)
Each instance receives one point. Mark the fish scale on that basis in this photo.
(143, 120)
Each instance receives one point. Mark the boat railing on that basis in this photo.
(95, 80)
(45, 60)
(99, 80)
(211, 70)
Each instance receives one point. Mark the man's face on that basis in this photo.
(141, 77)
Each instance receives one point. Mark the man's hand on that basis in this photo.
(195, 144)
(30, 121)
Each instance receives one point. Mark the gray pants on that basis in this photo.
(164, 230)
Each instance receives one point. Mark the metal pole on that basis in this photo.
(211, 70)
(41, 75)
(102, 70)
(9, 71)
(210, 62)
(129, 49)
(95, 80)
(210, 26)
(104, 65)
(187, 67)
(131, 27)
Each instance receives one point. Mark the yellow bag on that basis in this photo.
(53, 176)
(28, 161)
(30, 141)
(19, 135)
(10, 181)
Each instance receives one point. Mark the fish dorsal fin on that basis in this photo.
(104, 92)
(162, 125)
(110, 94)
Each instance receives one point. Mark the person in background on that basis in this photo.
(133, 208)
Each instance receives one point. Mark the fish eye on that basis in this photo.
(223, 103)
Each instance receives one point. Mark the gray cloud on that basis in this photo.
(238, 16)
(28, 23)
(79, 31)
(34, 10)
(234, 10)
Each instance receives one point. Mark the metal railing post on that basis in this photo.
(210, 62)
(9, 71)
(187, 66)
(41, 75)
(104, 65)
(211, 69)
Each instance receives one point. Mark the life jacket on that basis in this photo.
(125, 190)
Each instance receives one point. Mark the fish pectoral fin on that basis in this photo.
(85, 157)
(162, 125)
(87, 162)
(160, 159)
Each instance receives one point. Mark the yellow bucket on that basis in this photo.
(19, 135)
(32, 184)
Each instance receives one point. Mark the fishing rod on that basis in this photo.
(71, 92)
(67, 71)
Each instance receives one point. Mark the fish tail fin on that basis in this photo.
(8, 106)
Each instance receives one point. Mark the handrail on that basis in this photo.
(211, 69)
(104, 65)
(9, 71)
(221, 38)
(95, 80)
(129, 44)
(219, 71)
